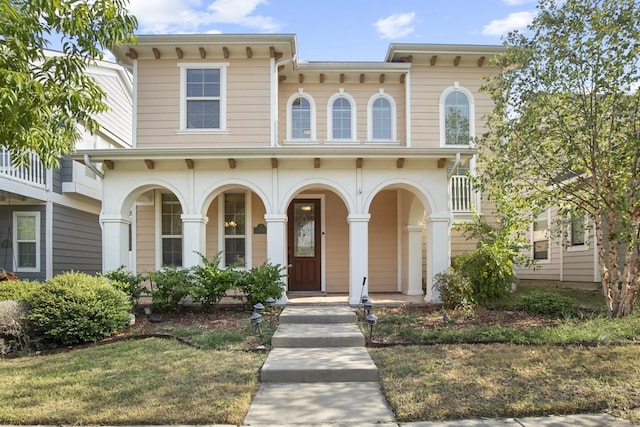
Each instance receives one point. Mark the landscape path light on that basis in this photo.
(371, 319)
(256, 320)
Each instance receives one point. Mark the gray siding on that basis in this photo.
(77, 241)
(56, 181)
(6, 240)
(66, 169)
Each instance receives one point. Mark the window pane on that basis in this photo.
(577, 230)
(234, 252)
(172, 251)
(26, 227)
(204, 82)
(234, 214)
(304, 230)
(381, 119)
(341, 119)
(26, 254)
(203, 114)
(301, 119)
(541, 250)
(456, 118)
(171, 212)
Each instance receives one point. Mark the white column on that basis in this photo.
(193, 238)
(414, 261)
(115, 242)
(277, 244)
(438, 252)
(358, 255)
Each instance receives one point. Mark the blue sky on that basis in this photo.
(341, 30)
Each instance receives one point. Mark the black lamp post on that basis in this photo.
(371, 319)
(256, 320)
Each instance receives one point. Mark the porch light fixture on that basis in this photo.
(371, 319)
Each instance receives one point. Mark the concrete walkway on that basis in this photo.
(318, 372)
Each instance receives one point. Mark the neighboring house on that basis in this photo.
(340, 169)
(569, 256)
(49, 218)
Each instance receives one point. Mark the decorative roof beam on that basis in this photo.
(225, 52)
(433, 60)
(456, 61)
(189, 163)
(316, 162)
(300, 78)
(274, 163)
(109, 164)
(156, 53)
(203, 53)
(341, 77)
(381, 78)
(132, 53)
(149, 163)
(441, 162)
(179, 53)
(232, 163)
(321, 78)
(275, 54)
(481, 61)
(400, 163)
(362, 78)
(359, 163)
(249, 52)
(403, 78)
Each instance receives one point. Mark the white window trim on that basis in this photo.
(472, 113)
(184, 66)
(248, 259)
(17, 214)
(312, 105)
(577, 248)
(548, 260)
(352, 101)
(394, 115)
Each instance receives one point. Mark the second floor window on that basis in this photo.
(456, 118)
(203, 104)
(381, 118)
(301, 119)
(341, 122)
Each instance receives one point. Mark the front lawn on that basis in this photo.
(148, 381)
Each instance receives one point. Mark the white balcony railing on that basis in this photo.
(462, 194)
(34, 174)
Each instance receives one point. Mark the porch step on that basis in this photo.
(320, 364)
(310, 335)
(317, 314)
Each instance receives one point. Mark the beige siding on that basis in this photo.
(383, 243)
(248, 104)
(427, 84)
(361, 92)
(212, 229)
(258, 241)
(336, 242)
(578, 266)
(146, 238)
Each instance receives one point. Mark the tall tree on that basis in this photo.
(565, 130)
(44, 97)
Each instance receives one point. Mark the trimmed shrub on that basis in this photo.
(490, 270)
(127, 282)
(20, 290)
(74, 308)
(210, 282)
(168, 287)
(14, 325)
(262, 282)
(546, 302)
(456, 290)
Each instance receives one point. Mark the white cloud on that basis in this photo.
(514, 21)
(190, 16)
(396, 25)
(515, 2)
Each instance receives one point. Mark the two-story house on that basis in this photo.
(341, 170)
(49, 218)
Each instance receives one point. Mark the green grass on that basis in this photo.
(150, 381)
(504, 380)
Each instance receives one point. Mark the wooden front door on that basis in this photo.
(304, 245)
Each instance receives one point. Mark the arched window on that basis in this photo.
(341, 114)
(456, 116)
(301, 113)
(382, 118)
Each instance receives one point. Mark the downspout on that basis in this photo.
(92, 167)
(274, 97)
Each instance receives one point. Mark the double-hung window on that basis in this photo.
(202, 97)
(382, 118)
(577, 232)
(540, 236)
(26, 239)
(235, 229)
(456, 116)
(171, 235)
